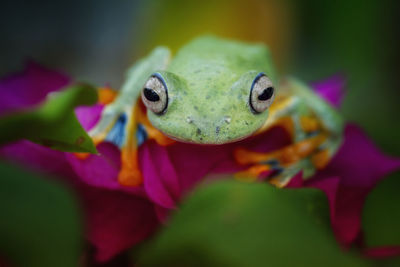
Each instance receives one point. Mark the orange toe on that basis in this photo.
(130, 177)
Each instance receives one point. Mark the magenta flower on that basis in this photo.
(118, 217)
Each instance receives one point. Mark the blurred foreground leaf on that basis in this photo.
(236, 224)
(54, 123)
(381, 215)
(39, 225)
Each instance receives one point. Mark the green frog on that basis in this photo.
(216, 91)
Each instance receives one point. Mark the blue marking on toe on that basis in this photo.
(141, 134)
(271, 162)
(117, 133)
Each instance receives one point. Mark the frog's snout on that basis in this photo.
(208, 131)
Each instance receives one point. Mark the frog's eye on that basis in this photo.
(155, 94)
(261, 93)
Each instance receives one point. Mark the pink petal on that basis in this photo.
(102, 170)
(89, 116)
(348, 208)
(383, 252)
(160, 178)
(29, 87)
(171, 172)
(359, 162)
(296, 182)
(162, 214)
(36, 157)
(331, 89)
(359, 165)
(99, 170)
(116, 221)
(193, 162)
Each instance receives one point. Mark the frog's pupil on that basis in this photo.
(266, 94)
(151, 95)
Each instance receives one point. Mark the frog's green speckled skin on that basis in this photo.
(209, 83)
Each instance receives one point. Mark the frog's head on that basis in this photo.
(208, 109)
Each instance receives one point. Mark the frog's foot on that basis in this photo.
(286, 155)
(284, 163)
(275, 174)
(252, 173)
(130, 174)
(121, 129)
(124, 134)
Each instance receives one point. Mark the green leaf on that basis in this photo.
(39, 225)
(381, 214)
(237, 224)
(54, 123)
(387, 262)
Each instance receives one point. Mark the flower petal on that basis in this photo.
(359, 165)
(160, 178)
(383, 252)
(331, 89)
(36, 157)
(116, 221)
(89, 116)
(29, 87)
(359, 162)
(172, 171)
(99, 170)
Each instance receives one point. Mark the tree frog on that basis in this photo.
(216, 91)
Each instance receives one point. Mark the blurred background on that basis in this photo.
(96, 41)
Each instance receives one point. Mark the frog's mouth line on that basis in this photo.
(186, 141)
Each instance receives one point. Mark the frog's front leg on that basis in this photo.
(130, 91)
(129, 174)
(119, 123)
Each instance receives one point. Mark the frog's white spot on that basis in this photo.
(227, 119)
(189, 119)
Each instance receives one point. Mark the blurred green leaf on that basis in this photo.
(39, 225)
(387, 262)
(238, 224)
(54, 123)
(381, 215)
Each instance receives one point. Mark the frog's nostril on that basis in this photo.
(189, 119)
(227, 119)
